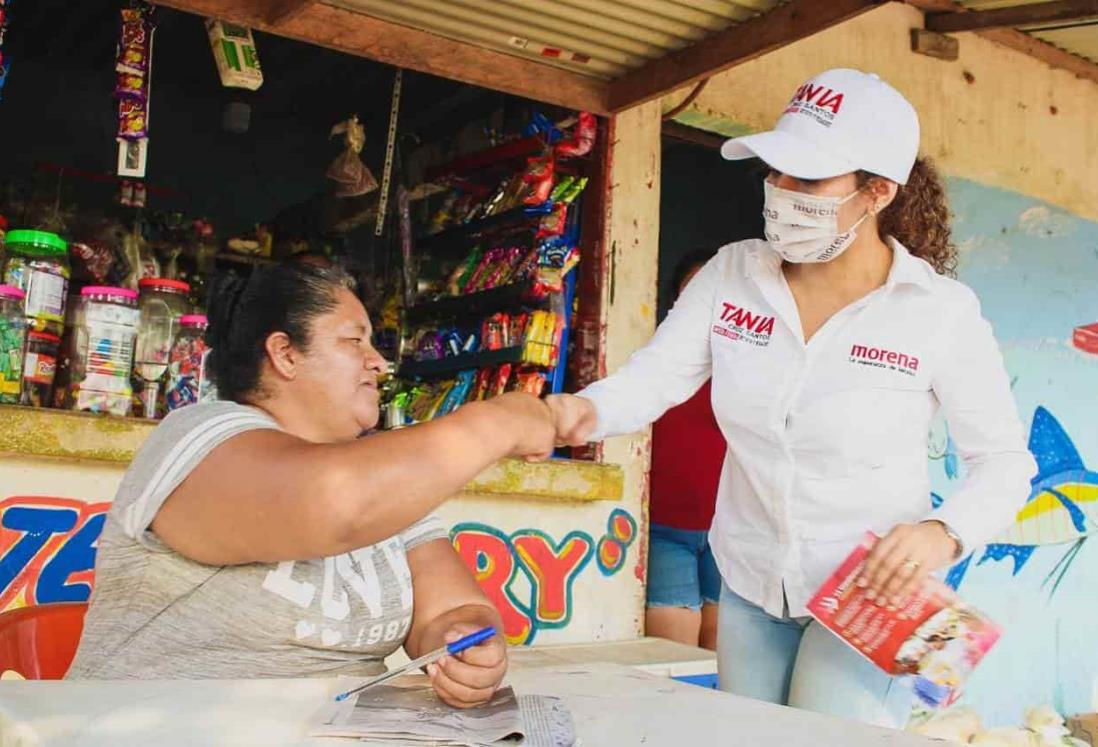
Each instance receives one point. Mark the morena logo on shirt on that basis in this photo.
(743, 324)
(817, 101)
(881, 358)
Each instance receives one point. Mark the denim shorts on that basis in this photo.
(681, 569)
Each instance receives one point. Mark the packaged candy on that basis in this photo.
(132, 119)
(935, 639)
(130, 86)
(569, 195)
(493, 334)
(539, 179)
(482, 384)
(459, 395)
(554, 223)
(499, 380)
(531, 382)
(582, 138)
(517, 329)
(561, 188)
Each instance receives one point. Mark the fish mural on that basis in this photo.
(1062, 507)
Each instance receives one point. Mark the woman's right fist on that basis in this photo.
(531, 423)
(575, 418)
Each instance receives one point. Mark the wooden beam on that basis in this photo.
(940, 46)
(1013, 16)
(687, 134)
(1021, 42)
(366, 36)
(1043, 51)
(282, 11)
(738, 44)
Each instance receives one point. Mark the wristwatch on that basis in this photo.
(953, 536)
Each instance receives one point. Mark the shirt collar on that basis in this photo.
(905, 270)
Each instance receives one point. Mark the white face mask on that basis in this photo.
(805, 228)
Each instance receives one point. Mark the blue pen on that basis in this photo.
(450, 649)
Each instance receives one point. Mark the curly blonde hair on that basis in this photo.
(919, 217)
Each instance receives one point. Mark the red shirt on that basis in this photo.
(687, 453)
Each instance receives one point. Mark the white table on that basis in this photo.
(613, 706)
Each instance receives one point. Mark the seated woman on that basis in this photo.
(260, 537)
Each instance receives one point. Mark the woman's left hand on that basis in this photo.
(903, 558)
(472, 677)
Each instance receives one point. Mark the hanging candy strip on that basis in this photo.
(5, 62)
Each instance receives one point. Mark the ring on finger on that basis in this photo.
(911, 565)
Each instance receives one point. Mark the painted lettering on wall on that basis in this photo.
(621, 530)
(47, 549)
(501, 563)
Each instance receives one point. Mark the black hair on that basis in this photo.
(694, 259)
(243, 313)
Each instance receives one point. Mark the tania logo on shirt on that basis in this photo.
(739, 323)
(881, 358)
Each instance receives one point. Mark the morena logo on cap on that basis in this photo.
(816, 101)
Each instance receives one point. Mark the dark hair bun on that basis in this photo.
(244, 313)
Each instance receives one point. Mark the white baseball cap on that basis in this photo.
(840, 121)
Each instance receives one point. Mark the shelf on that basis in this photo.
(506, 219)
(465, 362)
(497, 156)
(244, 259)
(480, 304)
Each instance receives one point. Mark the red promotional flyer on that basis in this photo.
(936, 638)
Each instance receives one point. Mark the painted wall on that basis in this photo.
(559, 571)
(1035, 269)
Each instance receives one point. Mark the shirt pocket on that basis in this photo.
(860, 430)
(746, 382)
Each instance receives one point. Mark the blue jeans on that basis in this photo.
(798, 662)
(681, 569)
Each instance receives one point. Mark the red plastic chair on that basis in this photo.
(40, 642)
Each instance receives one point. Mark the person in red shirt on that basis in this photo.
(684, 586)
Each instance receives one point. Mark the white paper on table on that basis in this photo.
(413, 715)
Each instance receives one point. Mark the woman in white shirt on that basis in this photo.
(831, 345)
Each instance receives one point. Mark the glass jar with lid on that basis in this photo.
(187, 368)
(103, 351)
(13, 329)
(40, 368)
(162, 303)
(38, 264)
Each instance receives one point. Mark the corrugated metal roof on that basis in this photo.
(1079, 38)
(599, 38)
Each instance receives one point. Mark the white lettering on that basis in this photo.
(280, 581)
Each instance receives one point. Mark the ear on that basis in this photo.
(282, 355)
(881, 193)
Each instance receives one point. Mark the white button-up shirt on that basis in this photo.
(828, 439)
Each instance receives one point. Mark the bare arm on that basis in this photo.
(449, 605)
(266, 496)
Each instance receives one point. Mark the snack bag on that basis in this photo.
(936, 638)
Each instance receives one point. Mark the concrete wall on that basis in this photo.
(1019, 143)
(1019, 124)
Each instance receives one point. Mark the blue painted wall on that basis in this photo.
(1035, 269)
